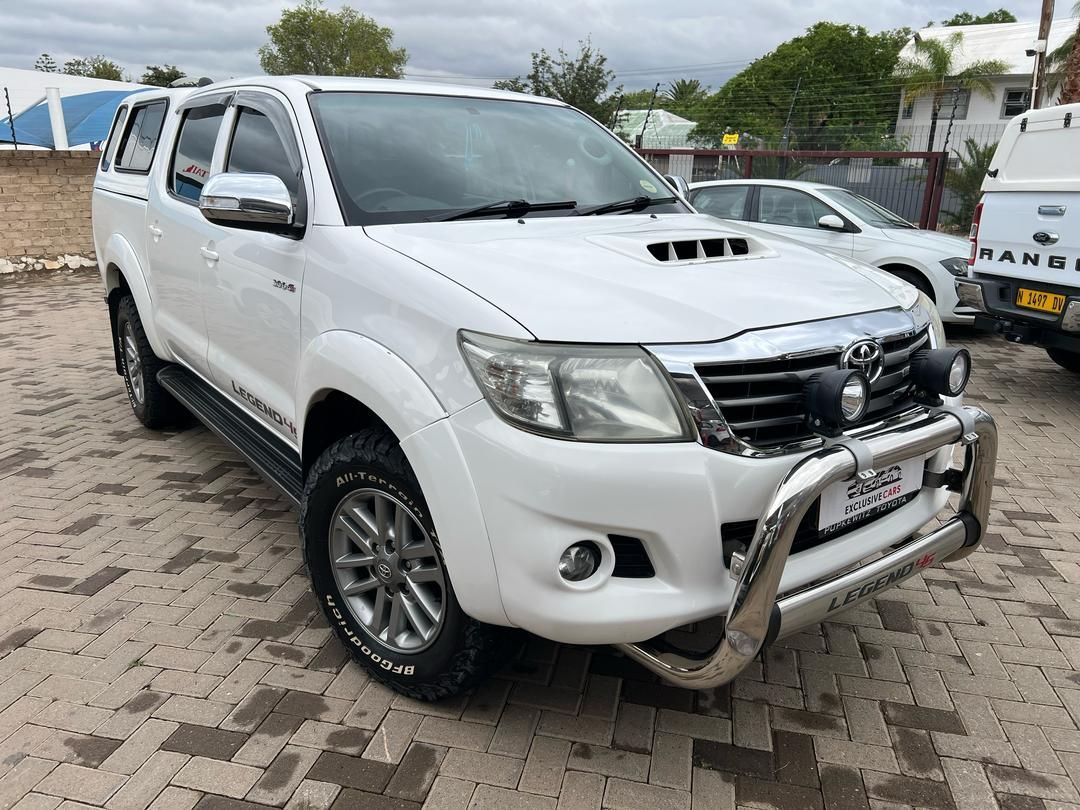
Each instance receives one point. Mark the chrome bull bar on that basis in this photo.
(755, 617)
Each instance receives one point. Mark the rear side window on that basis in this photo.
(137, 148)
(256, 147)
(194, 150)
(114, 137)
(726, 202)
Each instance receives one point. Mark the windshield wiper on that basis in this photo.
(509, 208)
(632, 204)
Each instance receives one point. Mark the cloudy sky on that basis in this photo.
(645, 41)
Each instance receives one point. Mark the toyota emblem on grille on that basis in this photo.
(865, 356)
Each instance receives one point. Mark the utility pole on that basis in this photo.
(1038, 76)
(785, 138)
(648, 112)
(11, 120)
(787, 121)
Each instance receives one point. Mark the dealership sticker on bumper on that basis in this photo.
(849, 502)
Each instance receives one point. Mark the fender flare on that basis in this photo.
(120, 259)
(340, 360)
(380, 380)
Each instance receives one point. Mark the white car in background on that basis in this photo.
(838, 220)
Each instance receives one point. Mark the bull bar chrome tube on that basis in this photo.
(756, 617)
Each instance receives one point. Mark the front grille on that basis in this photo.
(631, 559)
(764, 403)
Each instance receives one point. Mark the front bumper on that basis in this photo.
(756, 616)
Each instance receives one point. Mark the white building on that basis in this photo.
(976, 115)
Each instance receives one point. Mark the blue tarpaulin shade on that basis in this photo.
(87, 117)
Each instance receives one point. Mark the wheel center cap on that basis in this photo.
(384, 571)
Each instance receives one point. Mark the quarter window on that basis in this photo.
(1016, 101)
(137, 148)
(784, 206)
(114, 137)
(195, 150)
(256, 147)
(726, 202)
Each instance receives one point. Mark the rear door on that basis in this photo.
(794, 213)
(178, 232)
(1030, 236)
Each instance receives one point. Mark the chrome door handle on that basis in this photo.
(208, 254)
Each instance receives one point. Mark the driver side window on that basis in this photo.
(257, 147)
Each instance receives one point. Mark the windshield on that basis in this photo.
(867, 210)
(398, 157)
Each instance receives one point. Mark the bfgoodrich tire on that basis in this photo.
(152, 404)
(1066, 359)
(378, 572)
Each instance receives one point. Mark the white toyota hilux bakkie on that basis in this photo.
(513, 380)
(1024, 273)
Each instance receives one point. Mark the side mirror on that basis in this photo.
(679, 184)
(832, 222)
(241, 199)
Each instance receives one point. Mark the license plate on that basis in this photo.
(1042, 301)
(849, 502)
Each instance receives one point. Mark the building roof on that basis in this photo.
(664, 129)
(27, 87)
(87, 118)
(1004, 41)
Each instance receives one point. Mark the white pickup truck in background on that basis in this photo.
(1024, 275)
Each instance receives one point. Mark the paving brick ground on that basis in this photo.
(159, 647)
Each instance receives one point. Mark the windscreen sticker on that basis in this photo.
(648, 186)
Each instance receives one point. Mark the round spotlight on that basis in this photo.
(942, 372)
(837, 399)
(579, 562)
(959, 373)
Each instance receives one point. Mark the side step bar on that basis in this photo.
(270, 456)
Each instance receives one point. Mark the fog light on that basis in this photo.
(836, 399)
(940, 372)
(579, 562)
(971, 295)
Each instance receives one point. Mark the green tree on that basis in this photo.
(94, 67)
(161, 76)
(685, 97)
(1001, 15)
(933, 72)
(965, 181)
(581, 80)
(640, 99)
(839, 70)
(309, 39)
(46, 64)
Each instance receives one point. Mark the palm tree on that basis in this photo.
(684, 95)
(965, 180)
(1066, 58)
(933, 73)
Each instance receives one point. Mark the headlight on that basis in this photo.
(587, 393)
(956, 266)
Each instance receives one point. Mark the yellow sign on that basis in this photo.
(731, 139)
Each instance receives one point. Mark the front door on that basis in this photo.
(795, 214)
(252, 296)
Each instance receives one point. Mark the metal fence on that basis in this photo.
(909, 183)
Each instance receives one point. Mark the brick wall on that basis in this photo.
(45, 202)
